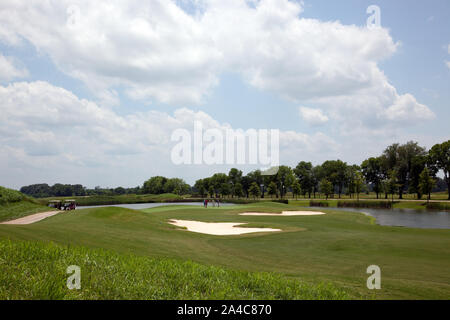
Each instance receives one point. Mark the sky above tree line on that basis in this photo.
(90, 92)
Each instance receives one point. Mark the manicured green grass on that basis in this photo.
(334, 248)
(15, 210)
(33, 270)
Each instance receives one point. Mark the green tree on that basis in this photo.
(359, 183)
(272, 189)
(296, 189)
(211, 191)
(234, 176)
(426, 183)
(373, 173)
(392, 184)
(238, 190)
(225, 189)
(200, 186)
(335, 171)
(154, 185)
(401, 159)
(439, 159)
(255, 190)
(284, 178)
(326, 187)
(217, 180)
(304, 173)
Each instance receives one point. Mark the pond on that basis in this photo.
(430, 219)
(139, 206)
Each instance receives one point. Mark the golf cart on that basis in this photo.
(69, 205)
(54, 204)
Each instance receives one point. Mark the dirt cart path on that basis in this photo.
(32, 218)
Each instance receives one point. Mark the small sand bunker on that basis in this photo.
(218, 228)
(284, 213)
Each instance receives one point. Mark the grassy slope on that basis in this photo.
(14, 205)
(32, 270)
(337, 247)
(20, 209)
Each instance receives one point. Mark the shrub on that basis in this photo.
(439, 205)
(313, 203)
(10, 196)
(365, 204)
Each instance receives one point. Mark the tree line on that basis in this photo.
(43, 190)
(154, 185)
(400, 169)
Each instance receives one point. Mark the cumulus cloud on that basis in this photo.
(10, 69)
(49, 134)
(157, 51)
(313, 116)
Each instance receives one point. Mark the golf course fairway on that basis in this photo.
(335, 248)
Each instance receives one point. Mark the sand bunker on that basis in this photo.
(284, 213)
(218, 228)
(32, 218)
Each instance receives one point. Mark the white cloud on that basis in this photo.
(49, 134)
(313, 116)
(158, 52)
(448, 64)
(10, 69)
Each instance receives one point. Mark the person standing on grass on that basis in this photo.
(206, 203)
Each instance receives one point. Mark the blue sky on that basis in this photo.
(246, 89)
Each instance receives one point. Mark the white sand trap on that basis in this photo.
(218, 228)
(32, 218)
(284, 213)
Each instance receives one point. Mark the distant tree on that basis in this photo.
(373, 173)
(225, 189)
(439, 159)
(284, 178)
(351, 175)
(238, 190)
(296, 189)
(426, 183)
(200, 186)
(326, 187)
(176, 186)
(335, 172)
(317, 174)
(246, 181)
(234, 177)
(217, 180)
(211, 191)
(257, 177)
(255, 190)
(392, 184)
(119, 190)
(401, 159)
(272, 189)
(418, 163)
(359, 183)
(154, 185)
(304, 173)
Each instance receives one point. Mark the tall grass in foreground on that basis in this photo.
(33, 270)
